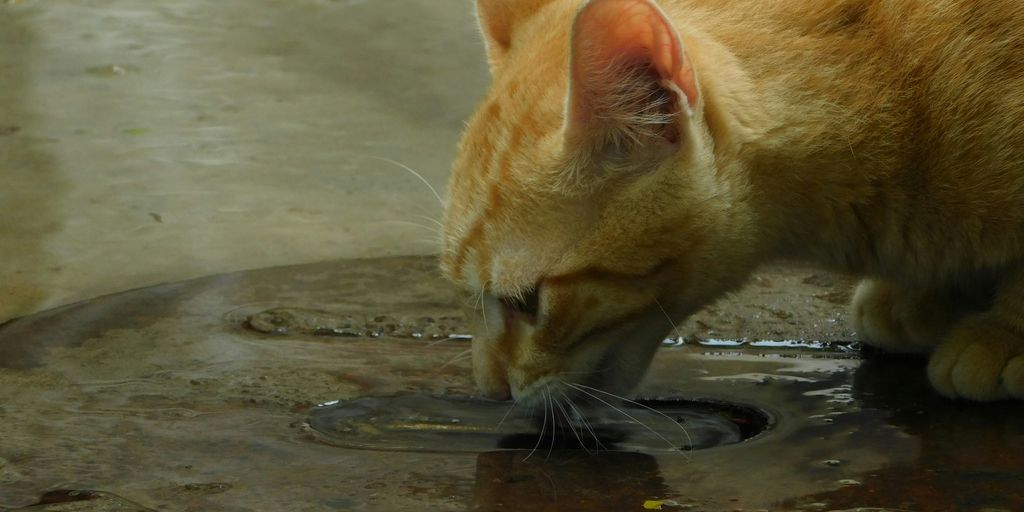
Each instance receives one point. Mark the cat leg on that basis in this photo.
(982, 357)
(900, 319)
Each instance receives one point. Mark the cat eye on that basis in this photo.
(527, 304)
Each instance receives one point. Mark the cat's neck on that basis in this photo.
(803, 156)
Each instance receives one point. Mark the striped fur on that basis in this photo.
(883, 138)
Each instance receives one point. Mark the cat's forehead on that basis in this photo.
(516, 126)
(525, 92)
(534, 72)
(513, 140)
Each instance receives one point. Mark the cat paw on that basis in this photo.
(893, 319)
(1013, 377)
(979, 360)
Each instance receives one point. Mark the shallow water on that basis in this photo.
(448, 424)
(165, 398)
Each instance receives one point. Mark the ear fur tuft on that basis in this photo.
(631, 83)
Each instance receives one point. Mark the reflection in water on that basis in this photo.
(566, 480)
(971, 455)
(418, 422)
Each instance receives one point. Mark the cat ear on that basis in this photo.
(631, 81)
(499, 19)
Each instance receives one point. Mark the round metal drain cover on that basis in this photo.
(423, 423)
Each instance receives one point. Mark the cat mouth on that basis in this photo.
(609, 360)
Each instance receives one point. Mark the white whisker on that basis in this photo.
(689, 439)
(675, 328)
(503, 418)
(673, 324)
(569, 421)
(540, 437)
(554, 424)
(414, 173)
(431, 219)
(624, 413)
(409, 223)
(586, 423)
(483, 312)
(458, 357)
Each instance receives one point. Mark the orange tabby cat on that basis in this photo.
(633, 156)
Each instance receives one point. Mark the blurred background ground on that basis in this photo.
(147, 142)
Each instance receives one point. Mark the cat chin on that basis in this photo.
(608, 363)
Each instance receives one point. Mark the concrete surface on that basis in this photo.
(147, 142)
(166, 398)
(150, 142)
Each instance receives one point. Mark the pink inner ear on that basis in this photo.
(608, 32)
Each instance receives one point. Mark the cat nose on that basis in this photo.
(522, 307)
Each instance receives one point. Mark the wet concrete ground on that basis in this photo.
(169, 398)
(150, 142)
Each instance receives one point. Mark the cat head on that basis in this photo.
(583, 207)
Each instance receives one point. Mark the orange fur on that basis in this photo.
(879, 137)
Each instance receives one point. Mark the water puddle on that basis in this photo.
(824, 346)
(423, 423)
(222, 373)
